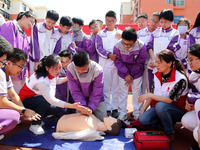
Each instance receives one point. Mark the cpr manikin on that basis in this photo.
(87, 128)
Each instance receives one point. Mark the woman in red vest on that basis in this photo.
(168, 94)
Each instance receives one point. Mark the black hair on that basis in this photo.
(26, 13)
(100, 22)
(46, 61)
(78, 21)
(92, 22)
(17, 55)
(197, 21)
(168, 56)
(5, 47)
(52, 14)
(111, 14)
(167, 14)
(143, 15)
(65, 53)
(157, 14)
(81, 58)
(129, 34)
(66, 21)
(195, 50)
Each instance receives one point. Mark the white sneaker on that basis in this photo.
(37, 129)
(1, 137)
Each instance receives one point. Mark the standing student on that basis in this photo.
(81, 40)
(145, 35)
(42, 40)
(95, 27)
(38, 93)
(85, 79)
(13, 31)
(105, 42)
(62, 90)
(11, 109)
(66, 39)
(183, 25)
(191, 119)
(194, 36)
(168, 94)
(142, 21)
(131, 54)
(164, 38)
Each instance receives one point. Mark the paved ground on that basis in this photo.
(183, 138)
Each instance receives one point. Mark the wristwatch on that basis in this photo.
(23, 111)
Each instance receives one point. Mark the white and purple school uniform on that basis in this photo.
(42, 42)
(182, 52)
(82, 41)
(87, 88)
(105, 42)
(164, 39)
(12, 32)
(130, 62)
(194, 36)
(8, 117)
(191, 119)
(64, 42)
(92, 49)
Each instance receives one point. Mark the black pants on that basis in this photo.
(40, 106)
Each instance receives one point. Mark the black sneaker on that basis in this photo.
(109, 113)
(115, 113)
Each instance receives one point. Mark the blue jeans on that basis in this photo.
(165, 114)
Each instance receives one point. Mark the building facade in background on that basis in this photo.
(181, 8)
(10, 9)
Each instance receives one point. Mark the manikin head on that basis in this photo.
(113, 125)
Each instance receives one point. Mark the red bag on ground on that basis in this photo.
(144, 140)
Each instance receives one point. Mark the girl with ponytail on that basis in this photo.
(191, 119)
(38, 92)
(168, 94)
(13, 32)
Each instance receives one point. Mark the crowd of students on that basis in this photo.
(92, 74)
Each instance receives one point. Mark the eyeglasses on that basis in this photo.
(31, 21)
(128, 45)
(92, 29)
(110, 21)
(4, 63)
(191, 60)
(23, 68)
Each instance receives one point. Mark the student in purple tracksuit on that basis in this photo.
(194, 36)
(66, 39)
(183, 25)
(94, 28)
(132, 55)
(105, 42)
(85, 79)
(62, 90)
(81, 39)
(164, 38)
(10, 109)
(191, 119)
(13, 31)
(42, 40)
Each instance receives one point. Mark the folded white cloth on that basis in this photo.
(85, 135)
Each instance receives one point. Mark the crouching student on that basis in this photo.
(85, 79)
(191, 119)
(38, 93)
(168, 95)
(132, 55)
(62, 90)
(11, 109)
